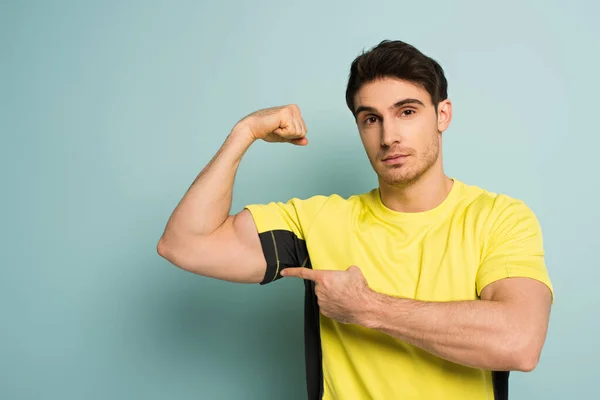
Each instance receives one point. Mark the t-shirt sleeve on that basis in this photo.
(515, 248)
(283, 229)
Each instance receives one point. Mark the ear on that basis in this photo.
(444, 115)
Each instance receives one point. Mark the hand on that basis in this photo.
(276, 124)
(342, 295)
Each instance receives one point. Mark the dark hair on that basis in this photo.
(396, 59)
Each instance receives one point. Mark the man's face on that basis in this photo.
(400, 129)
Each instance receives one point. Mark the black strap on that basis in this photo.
(500, 380)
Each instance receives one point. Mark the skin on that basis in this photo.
(201, 233)
(417, 183)
(506, 328)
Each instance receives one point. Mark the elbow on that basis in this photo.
(162, 248)
(182, 254)
(525, 358)
(527, 362)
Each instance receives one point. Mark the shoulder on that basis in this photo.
(499, 214)
(315, 201)
(334, 208)
(336, 203)
(492, 204)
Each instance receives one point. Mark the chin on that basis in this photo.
(404, 175)
(400, 176)
(397, 178)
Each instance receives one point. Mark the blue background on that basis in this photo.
(109, 110)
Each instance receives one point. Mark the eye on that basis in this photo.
(408, 110)
(371, 120)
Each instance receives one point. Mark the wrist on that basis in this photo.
(242, 133)
(238, 142)
(369, 310)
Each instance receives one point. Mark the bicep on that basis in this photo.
(232, 253)
(530, 301)
(259, 242)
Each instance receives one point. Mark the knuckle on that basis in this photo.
(287, 114)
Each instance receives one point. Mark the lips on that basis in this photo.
(395, 156)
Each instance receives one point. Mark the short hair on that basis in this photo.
(397, 59)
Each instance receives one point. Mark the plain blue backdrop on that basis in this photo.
(109, 110)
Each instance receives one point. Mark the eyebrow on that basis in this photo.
(395, 105)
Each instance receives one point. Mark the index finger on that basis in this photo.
(301, 272)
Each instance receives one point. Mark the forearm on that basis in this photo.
(479, 333)
(207, 203)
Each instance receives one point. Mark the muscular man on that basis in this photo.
(423, 288)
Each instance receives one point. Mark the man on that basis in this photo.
(424, 288)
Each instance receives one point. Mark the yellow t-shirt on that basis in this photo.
(449, 253)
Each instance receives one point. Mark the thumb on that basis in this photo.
(300, 142)
(353, 269)
(357, 275)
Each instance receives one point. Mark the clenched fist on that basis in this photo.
(276, 124)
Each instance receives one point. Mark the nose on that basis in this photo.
(390, 133)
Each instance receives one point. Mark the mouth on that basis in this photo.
(395, 158)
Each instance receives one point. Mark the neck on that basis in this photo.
(426, 193)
